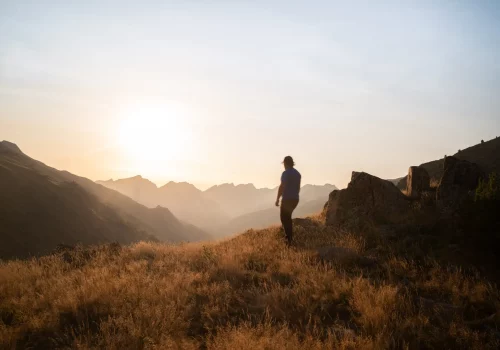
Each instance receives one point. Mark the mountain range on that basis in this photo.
(183, 199)
(221, 209)
(42, 207)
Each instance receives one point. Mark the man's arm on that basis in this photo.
(280, 193)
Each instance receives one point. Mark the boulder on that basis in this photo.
(418, 181)
(367, 199)
(459, 181)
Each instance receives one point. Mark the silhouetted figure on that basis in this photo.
(289, 191)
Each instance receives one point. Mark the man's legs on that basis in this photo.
(287, 208)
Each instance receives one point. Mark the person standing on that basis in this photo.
(289, 192)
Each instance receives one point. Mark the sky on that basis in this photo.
(220, 91)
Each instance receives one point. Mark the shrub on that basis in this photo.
(488, 190)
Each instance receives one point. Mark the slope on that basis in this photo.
(333, 290)
(38, 213)
(486, 155)
(159, 221)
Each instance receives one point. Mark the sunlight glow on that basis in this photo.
(152, 135)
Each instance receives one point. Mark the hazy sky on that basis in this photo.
(221, 91)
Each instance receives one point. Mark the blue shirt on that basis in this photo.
(290, 179)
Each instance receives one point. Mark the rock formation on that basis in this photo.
(418, 181)
(459, 181)
(367, 199)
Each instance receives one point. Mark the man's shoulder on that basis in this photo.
(292, 171)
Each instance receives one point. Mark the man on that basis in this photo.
(289, 190)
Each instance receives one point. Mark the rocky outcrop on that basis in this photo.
(355, 174)
(459, 181)
(367, 199)
(418, 181)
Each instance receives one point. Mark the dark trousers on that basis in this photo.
(287, 208)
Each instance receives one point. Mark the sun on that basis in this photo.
(150, 135)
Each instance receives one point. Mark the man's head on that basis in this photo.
(288, 162)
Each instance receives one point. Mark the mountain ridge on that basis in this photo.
(159, 223)
(223, 185)
(485, 154)
(214, 208)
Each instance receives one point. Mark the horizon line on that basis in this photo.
(212, 186)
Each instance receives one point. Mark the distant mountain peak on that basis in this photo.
(185, 186)
(250, 185)
(232, 185)
(227, 184)
(137, 178)
(7, 146)
(179, 183)
(327, 185)
(134, 181)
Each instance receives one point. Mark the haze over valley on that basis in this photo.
(221, 209)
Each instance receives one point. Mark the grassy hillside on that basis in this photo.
(371, 291)
(485, 154)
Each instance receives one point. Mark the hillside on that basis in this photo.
(486, 155)
(251, 292)
(37, 214)
(52, 191)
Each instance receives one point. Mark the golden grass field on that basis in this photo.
(248, 292)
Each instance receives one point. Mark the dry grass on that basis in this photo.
(249, 292)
